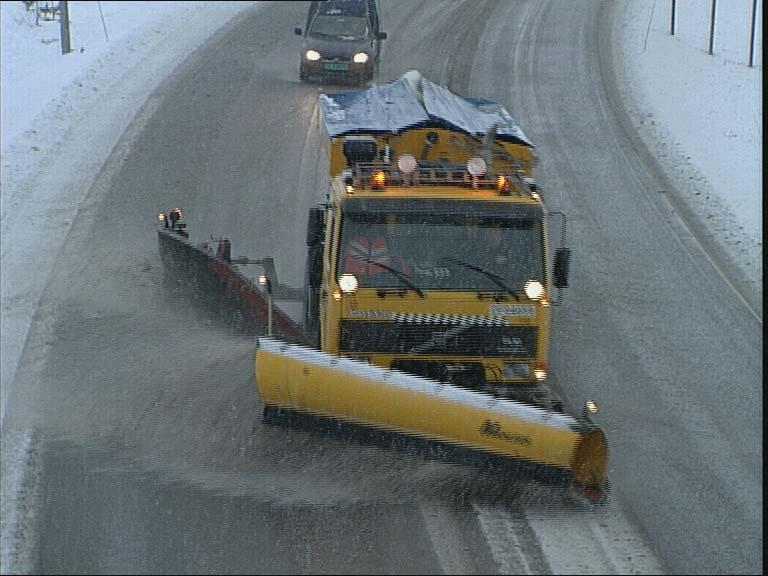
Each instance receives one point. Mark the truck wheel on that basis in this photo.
(311, 295)
(270, 414)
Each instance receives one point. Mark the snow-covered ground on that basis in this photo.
(700, 114)
(62, 115)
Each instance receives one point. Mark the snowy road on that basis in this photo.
(152, 458)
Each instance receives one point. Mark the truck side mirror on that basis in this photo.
(297, 31)
(382, 35)
(315, 226)
(562, 264)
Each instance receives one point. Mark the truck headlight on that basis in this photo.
(534, 289)
(516, 370)
(348, 283)
(312, 55)
(360, 58)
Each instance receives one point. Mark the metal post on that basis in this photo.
(64, 21)
(752, 35)
(103, 24)
(266, 281)
(712, 28)
(672, 19)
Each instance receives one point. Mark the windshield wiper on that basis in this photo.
(397, 274)
(488, 274)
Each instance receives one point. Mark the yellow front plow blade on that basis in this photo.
(306, 380)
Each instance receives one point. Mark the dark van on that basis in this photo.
(341, 40)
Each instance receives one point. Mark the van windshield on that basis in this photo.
(341, 27)
(343, 7)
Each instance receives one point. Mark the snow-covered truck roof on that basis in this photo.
(413, 101)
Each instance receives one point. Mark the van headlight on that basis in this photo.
(312, 55)
(360, 58)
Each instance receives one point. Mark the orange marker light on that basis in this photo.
(378, 179)
(502, 184)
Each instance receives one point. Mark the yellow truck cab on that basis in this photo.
(431, 255)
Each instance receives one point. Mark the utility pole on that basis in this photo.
(712, 27)
(672, 18)
(64, 20)
(752, 35)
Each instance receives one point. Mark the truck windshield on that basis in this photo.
(440, 252)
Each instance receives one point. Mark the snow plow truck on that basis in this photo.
(429, 285)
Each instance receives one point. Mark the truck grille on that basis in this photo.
(437, 339)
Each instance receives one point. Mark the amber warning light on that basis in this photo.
(378, 179)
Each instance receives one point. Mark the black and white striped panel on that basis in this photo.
(448, 319)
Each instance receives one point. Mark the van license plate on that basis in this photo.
(335, 66)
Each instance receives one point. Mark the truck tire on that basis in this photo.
(271, 414)
(312, 280)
